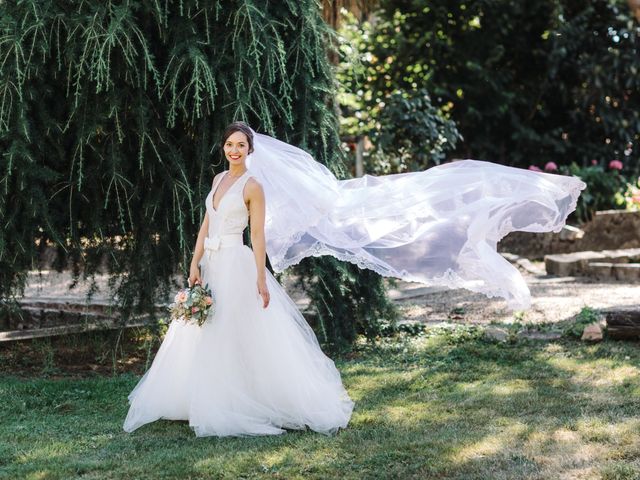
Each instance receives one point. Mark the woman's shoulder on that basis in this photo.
(217, 177)
(253, 186)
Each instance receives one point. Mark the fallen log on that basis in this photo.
(623, 324)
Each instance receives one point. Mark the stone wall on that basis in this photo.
(608, 230)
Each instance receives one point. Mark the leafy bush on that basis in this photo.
(407, 131)
(348, 301)
(602, 192)
(585, 317)
(545, 80)
(411, 134)
(630, 198)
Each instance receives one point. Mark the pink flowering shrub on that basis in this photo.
(615, 165)
(604, 187)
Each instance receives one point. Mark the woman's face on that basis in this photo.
(236, 148)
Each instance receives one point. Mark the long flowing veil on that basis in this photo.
(440, 226)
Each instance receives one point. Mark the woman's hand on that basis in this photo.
(194, 275)
(263, 291)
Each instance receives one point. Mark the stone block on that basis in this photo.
(525, 264)
(621, 256)
(592, 333)
(627, 272)
(611, 229)
(496, 334)
(623, 322)
(570, 233)
(570, 264)
(602, 270)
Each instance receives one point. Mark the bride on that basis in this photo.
(255, 366)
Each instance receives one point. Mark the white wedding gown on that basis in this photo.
(248, 370)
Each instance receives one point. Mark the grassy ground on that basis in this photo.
(446, 405)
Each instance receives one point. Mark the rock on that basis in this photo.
(627, 272)
(610, 229)
(570, 264)
(569, 233)
(510, 257)
(621, 256)
(496, 334)
(600, 270)
(604, 264)
(623, 322)
(525, 264)
(592, 333)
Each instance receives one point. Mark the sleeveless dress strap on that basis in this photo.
(215, 183)
(243, 181)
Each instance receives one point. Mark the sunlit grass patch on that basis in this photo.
(617, 470)
(443, 404)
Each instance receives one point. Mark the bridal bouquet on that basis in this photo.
(192, 304)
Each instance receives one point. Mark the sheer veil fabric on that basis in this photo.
(440, 226)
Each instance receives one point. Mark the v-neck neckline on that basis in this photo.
(213, 194)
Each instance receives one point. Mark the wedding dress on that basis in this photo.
(248, 370)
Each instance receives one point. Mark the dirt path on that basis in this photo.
(554, 299)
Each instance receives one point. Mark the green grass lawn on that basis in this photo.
(446, 404)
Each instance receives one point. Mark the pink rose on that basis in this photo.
(194, 309)
(594, 162)
(615, 165)
(534, 168)
(181, 297)
(209, 300)
(550, 167)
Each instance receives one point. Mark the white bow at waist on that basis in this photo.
(215, 242)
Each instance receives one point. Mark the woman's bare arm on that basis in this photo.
(199, 248)
(255, 195)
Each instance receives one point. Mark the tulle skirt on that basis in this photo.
(248, 370)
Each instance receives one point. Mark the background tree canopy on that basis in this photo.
(524, 82)
(110, 115)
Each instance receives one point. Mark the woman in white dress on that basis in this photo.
(255, 366)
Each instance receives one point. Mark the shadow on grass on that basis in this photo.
(436, 407)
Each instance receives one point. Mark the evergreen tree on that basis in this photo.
(110, 116)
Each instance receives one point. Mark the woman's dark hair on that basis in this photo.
(238, 127)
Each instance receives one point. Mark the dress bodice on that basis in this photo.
(232, 216)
